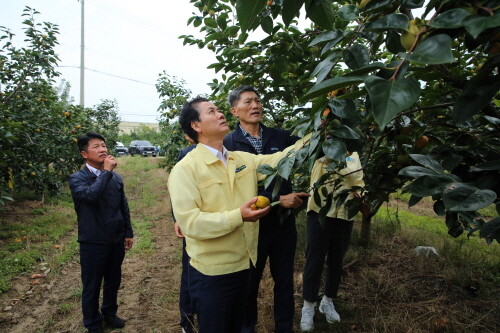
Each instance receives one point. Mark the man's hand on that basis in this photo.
(109, 163)
(128, 243)
(250, 215)
(178, 231)
(293, 200)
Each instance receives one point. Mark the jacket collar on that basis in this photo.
(207, 156)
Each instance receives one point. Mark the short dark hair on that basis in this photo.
(188, 114)
(234, 95)
(83, 141)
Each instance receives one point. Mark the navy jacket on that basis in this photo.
(273, 140)
(101, 207)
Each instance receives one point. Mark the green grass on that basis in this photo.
(30, 237)
(468, 260)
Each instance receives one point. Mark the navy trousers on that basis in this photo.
(100, 262)
(219, 300)
(330, 241)
(185, 306)
(278, 242)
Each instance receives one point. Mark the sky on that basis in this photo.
(127, 44)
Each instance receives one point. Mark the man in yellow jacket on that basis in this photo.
(212, 191)
(329, 240)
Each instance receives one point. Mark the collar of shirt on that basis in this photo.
(246, 134)
(220, 155)
(95, 171)
(255, 142)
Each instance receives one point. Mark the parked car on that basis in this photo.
(141, 147)
(120, 149)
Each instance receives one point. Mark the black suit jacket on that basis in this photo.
(101, 207)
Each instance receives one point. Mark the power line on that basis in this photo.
(112, 75)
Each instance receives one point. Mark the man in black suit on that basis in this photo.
(277, 234)
(104, 231)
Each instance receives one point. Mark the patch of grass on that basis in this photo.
(65, 308)
(143, 236)
(30, 233)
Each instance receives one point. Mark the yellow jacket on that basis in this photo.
(206, 198)
(353, 179)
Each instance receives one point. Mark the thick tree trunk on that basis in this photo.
(365, 230)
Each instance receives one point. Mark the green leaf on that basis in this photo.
(320, 12)
(428, 162)
(366, 69)
(314, 142)
(389, 22)
(388, 98)
(290, 9)
(439, 208)
(412, 4)
(335, 149)
(393, 42)
(461, 197)
(434, 50)
(450, 19)
(491, 230)
(345, 132)
(430, 185)
(475, 24)
(478, 93)
(356, 56)
(269, 180)
(332, 84)
(344, 109)
(330, 35)
(222, 21)
(490, 165)
(414, 200)
(247, 12)
(267, 24)
(348, 13)
(210, 22)
(455, 228)
(277, 187)
(325, 66)
(266, 169)
(285, 166)
(416, 171)
(376, 6)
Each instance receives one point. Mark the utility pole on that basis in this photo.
(82, 58)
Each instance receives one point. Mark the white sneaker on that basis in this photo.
(327, 308)
(307, 320)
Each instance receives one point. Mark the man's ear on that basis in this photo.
(84, 154)
(195, 125)
(233, 111)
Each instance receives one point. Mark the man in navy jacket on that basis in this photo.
(104, 231)
(277, 236)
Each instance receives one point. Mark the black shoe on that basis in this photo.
(95, 330)
(114, 322)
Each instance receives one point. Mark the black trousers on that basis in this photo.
(185, 306)
(277, 242)
(219, 300)
(330, 241)
(100, 262)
